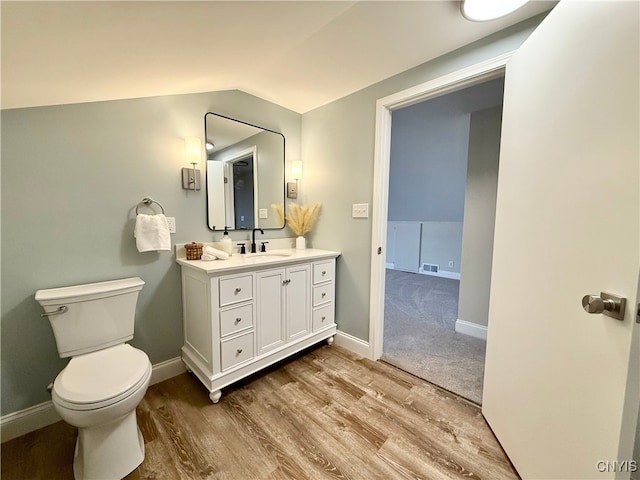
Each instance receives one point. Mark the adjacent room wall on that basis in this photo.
(480, 214)
(440, 243)
(428, 169)
(72, 176)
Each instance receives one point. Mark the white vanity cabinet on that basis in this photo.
(243, 314)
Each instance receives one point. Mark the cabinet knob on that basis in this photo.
(324, 295)
(324, 272)
(238, 290)
(238, 320)
(238, 351)
(324, 318)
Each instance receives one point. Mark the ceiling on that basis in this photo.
(299, 54)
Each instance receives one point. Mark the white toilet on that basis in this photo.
(106, 378)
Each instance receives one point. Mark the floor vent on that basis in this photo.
(430, 267)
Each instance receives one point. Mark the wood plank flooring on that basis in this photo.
(326, 414)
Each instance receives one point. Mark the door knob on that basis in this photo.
(606, 303)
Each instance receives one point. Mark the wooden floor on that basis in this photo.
(327, 414)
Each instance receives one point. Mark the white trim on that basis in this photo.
(472, 329)
(390, 266)
(24, 421)
(352, 343)
(465, 77)
(168, 369)
(39, 416)
(442, 274)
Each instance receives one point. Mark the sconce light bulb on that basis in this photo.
(192, 148)
(296, 169)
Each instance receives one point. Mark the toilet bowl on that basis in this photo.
(98, 393)
(105, 380)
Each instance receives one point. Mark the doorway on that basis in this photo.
(474, 75)
(442, 190)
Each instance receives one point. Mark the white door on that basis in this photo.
(561, 386)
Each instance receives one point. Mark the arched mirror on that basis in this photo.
(245, 174)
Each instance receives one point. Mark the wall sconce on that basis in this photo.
(296, 174)
(193, 153)
(296, 170)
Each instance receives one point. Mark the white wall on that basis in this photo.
(439, 243)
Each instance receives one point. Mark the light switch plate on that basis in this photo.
(360, 210)
(262, 213)
(172, 224)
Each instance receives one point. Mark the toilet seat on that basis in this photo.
(99, 379)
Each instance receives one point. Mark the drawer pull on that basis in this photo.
(324, 318)
(324, 272)
(238, 290)
(324, 294)
(238, 351)
(238, 320)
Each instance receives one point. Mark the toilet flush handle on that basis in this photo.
(60, 311)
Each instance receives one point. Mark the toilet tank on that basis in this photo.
(93, 316)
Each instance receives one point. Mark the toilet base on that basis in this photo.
(109, 451)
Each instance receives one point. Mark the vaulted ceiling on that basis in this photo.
(299, 54)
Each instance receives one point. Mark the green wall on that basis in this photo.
(71, 178)
(73, 174)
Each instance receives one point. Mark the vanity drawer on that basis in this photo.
(323, 271)
(236, 319)
(236, 350)
(236, 289)
(323, 316)
(322, 294)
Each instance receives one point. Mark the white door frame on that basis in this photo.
(458, 80)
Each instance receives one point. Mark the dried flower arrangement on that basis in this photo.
(300, 218)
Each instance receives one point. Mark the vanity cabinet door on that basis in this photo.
(270, 309)
(297, 288)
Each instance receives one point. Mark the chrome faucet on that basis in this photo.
(253, 239)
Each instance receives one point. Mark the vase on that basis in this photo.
(301, 243)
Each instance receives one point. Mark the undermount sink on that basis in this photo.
(268, 254)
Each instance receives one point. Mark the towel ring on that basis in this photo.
(148, 201)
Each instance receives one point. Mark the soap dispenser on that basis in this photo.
(226, 245)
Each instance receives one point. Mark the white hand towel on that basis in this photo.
(152, 233)
(207, 258)
(215, 252)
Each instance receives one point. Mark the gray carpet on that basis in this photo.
(419, 334)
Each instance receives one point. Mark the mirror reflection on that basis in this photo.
(245, 174)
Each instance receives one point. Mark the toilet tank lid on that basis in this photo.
(89, 290)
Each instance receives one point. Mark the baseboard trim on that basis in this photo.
(442, 274)
(352, 343)
(39, 416)
(165, 370)
(471, 329)
(390, 266)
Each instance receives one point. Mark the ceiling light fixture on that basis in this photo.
(484, 10)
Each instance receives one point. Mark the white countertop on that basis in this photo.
(250, 261)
